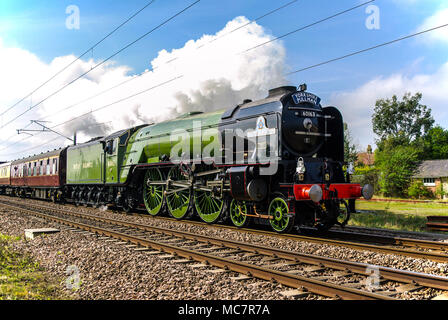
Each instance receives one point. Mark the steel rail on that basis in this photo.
(434, 256)
(423, 279)
(399, 241)
(295, 281)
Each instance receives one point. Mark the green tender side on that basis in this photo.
(149, 143)
(85, 164)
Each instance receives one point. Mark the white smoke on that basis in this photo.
(213, 76)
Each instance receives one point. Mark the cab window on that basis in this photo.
(111, 146)
(124, 139)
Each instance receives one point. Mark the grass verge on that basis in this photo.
(21, 278)
(396, 215)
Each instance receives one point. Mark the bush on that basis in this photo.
(417, 191)
(397, 165)
(440, 193)
(366, 175)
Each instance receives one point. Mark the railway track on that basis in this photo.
(421, 249)
(354, 240)
(437, 223)
(288, 268)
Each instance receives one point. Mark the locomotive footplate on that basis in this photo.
(304, 192)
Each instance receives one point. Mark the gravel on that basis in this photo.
(112, 271)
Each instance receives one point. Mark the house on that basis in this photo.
(434, 174)
(366, 158)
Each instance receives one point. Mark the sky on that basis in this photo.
(196, 61)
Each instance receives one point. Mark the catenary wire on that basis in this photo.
(79, 57)
(322, 63)
(307, 26)
(137, 76)
(367, 49)
(102, 62)
(171, 60)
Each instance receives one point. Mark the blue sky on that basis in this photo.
(38, 26)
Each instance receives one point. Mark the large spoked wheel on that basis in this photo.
(178, 197)
(209, 207)
(238, 211)
(153, 194)
(281, 220)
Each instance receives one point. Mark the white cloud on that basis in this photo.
(357, 106)
(214, 77)
(437, 19)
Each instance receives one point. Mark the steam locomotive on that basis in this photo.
(278, 161)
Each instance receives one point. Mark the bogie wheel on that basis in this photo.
(238, 211)
(178, 198)
(153, 195)
(282, 221)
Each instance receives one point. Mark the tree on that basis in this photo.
(350, 154)
(397, 165)
(435, 144)
(404, 120)
(401, 126)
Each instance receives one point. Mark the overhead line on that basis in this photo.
(79, 57)
(171, 60)
(250, 22)
(137, 76)
(100, 108)
(303, 69)
(34, 147)
(104, 61)
(120, 100)
(307, 26)
(368, 49)
(371, 48)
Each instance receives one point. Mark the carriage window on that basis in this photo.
(55, 166)
(29, 169)
(35, 169)
(48, 166)
(41, 168)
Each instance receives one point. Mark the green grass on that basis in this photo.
(21, 278)
(396, 215)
